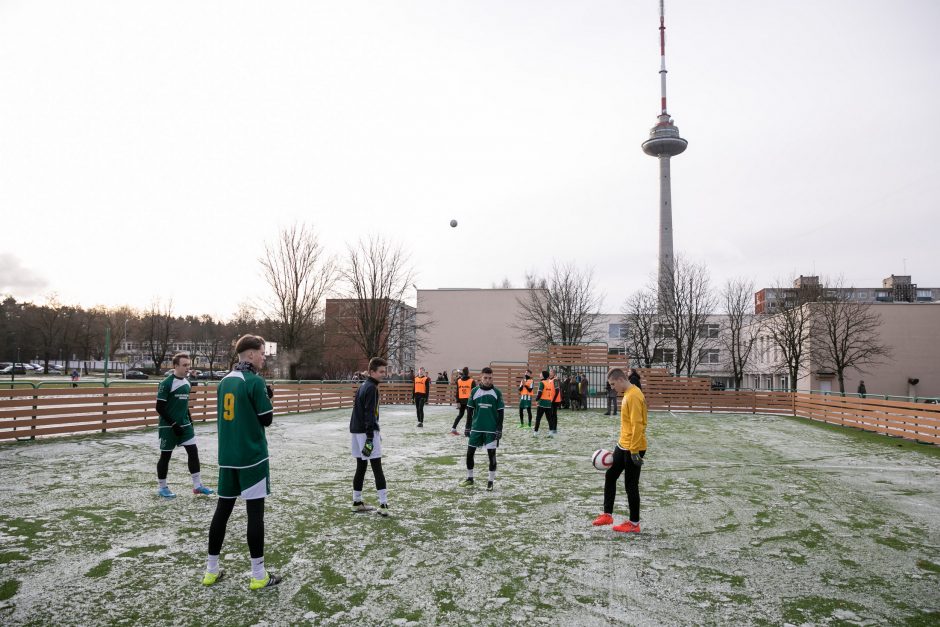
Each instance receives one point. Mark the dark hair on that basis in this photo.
(634, 378)
(465, 372)
(249, 342)
(375, 363)
(486, 370)
(545, 374)
(179, 356)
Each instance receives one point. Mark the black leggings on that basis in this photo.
(543, 411)
(419, 404)
(360, 476)
(223, 510)
(471, 451)
(163, 465)
(463, 408)
(631, 480)
(528, 409)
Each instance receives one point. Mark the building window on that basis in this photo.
(924, 294)
(664, 355)
(709, 356)
(616, 331)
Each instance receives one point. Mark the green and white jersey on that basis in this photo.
(486, 405)
(175, 392)
(241, 399)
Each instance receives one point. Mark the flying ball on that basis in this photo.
(602, 459)
(453, 223)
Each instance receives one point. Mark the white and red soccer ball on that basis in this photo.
(602, 459)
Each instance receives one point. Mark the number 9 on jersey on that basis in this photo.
(228, 406)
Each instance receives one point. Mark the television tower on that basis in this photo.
(664, 142)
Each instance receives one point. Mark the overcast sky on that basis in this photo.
(149, 149)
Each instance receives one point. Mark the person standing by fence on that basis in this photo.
(545, 396)
(525, 398)
(584, 389)
(176, 427)
(861, 389)
(611, 400)
(420, 394)
(464, 385)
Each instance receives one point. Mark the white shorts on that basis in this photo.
(359, 440)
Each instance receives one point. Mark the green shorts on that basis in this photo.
(169, 440)
(253, 482)
(525, 403)
(482, 440)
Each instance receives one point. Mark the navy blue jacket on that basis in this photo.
(365, 413)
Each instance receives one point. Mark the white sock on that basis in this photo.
(257, 567)
(383, 496)
(212, 564)
(492, 475)
(197, 479)
(357, 496)
(161, 483)
(469, 473)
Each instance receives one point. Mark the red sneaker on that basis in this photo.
(627, 527)
(603, 519)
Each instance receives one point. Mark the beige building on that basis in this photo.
(471, 327)
(910, 330)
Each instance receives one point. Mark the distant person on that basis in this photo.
(464, 386)
(244, 411)
(75, 377)
(484, 425)
(629, 452)
(861, 389)
(420, 394)
(583, 391)
(556, 405)
(366, 443)
(611, 400)
(176, 427)
(525, 398)
(544, 396)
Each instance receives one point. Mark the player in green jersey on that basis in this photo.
(485, 424)
(176, 426)
(244, 410)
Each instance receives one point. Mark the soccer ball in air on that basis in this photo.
(602, 459)
(453, 223)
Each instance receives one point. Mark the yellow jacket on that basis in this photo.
(633, 421)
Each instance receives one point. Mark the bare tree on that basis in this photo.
(562, 308)
(158, 326)
(686, 304)
(300, 274)
(505, 284)
(790, 329)
(49, 324)
(377, 277)
(743, 327)
(641, 323)
(846, 333)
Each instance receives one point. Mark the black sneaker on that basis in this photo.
(468, 482)
(420, 424)
(383, 509)
(359, 507)
(489, 486)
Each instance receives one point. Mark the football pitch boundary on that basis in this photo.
(747, 519)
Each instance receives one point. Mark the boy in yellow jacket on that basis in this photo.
(629, 452)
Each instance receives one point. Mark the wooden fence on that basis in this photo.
(27, 413)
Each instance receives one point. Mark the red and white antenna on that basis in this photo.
(662, 54)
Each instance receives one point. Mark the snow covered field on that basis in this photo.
(746, 520)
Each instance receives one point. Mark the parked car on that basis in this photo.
(218, 374)
(718, 386)
(14, 369)
(135, 374)
(40, 369)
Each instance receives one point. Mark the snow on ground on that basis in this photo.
(746, 520)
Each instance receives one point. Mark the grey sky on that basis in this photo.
(149, 149)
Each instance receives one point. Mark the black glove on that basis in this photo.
(367, 448)
(270, 391)
(636, 459)
(466, 433)
(177, 429)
